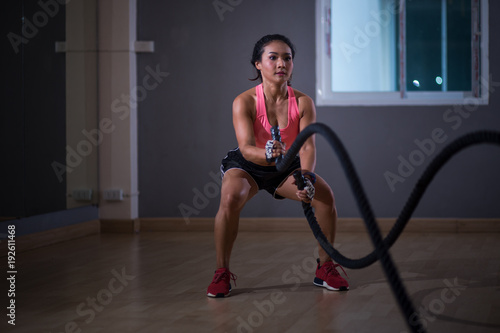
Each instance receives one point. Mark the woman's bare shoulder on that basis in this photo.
(303, 99)
(246, 100)
(301, 95)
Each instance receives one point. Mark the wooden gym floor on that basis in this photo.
(156, 282)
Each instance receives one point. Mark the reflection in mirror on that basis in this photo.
(47, 131)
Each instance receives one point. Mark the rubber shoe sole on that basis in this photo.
(220, 295)
(320, 283)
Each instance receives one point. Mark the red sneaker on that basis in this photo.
(328, 277)
(221, 286)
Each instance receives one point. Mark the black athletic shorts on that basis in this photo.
(267, 177)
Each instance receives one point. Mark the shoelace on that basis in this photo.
(221, 276)
(333, 269)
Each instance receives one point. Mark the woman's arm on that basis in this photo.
(243, 109)
(308, 151)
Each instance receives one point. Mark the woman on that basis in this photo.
(251, 166)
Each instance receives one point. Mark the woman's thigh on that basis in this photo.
(237, 188)
(323, 192)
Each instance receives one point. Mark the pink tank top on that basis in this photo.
(262, 128)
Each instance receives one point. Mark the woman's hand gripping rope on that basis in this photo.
(305, 185)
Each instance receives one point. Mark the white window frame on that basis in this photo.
(326, 97)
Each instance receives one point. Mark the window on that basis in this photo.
(401, 52)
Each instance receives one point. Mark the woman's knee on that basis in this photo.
(324, 195)
(232, 201)
(236, 190)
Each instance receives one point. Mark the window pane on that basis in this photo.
(459, 45)
(363, 46)
(438, 45)
(423, 45)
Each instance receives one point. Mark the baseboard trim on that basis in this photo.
(52, 236)
(422, 225)
(160, 224)
(120, 225)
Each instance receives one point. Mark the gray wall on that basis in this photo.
(185, 125)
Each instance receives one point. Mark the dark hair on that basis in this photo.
(258, 50)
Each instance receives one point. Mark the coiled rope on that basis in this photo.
(381, 245)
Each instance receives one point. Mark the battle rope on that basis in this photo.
(381, 245)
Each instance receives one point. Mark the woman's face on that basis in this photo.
(276, 63)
